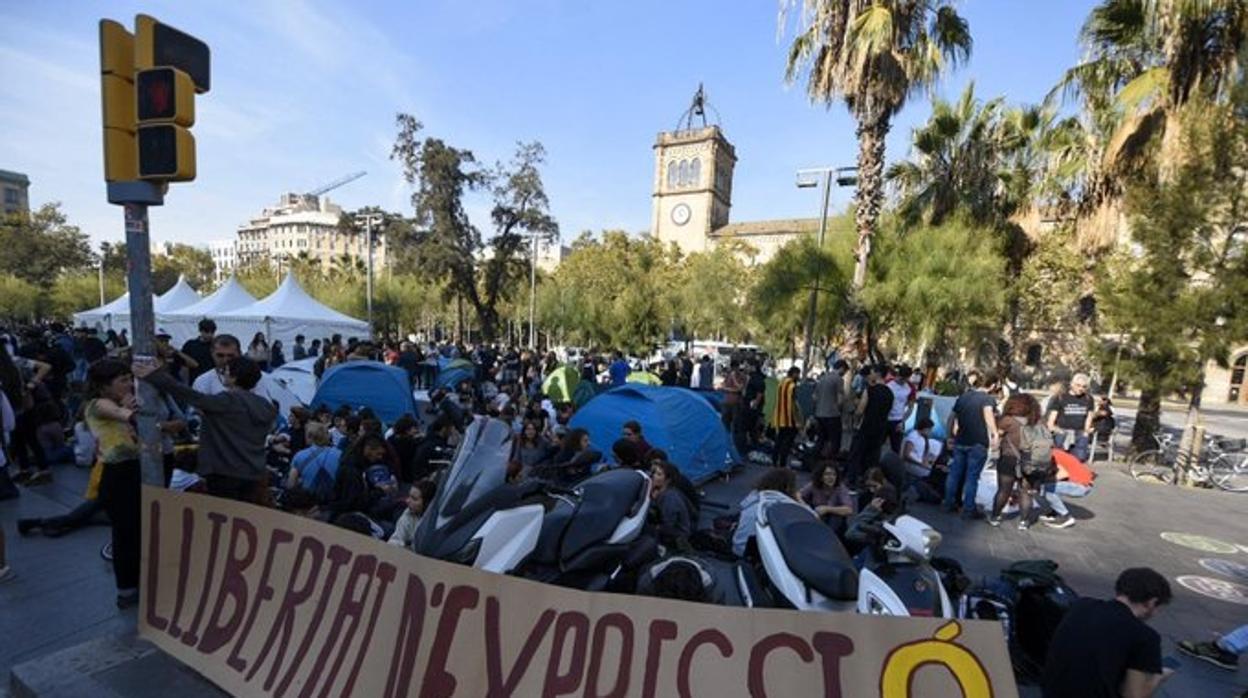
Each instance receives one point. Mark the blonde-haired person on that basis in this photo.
(316, 466)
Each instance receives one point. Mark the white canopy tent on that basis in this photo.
(287, 312)
(116, 315)
(184, 324)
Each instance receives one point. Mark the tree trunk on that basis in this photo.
(1147, 420)
(871, 136)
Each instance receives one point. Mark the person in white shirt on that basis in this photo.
(919, 451)
(225, 348)
(418, 498)
(902, 404)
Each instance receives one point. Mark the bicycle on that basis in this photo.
(1222, 464)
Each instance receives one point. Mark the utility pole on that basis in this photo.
(148, 84)
(806, 179)
(103, 253)
(533, 297)
(368, 219)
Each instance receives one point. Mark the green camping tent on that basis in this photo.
(643, 377)
(561, 384)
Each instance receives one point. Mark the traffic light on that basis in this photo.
(117, 102)
(172, 66)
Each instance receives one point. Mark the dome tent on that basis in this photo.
(385, 389)
(184, 323)
(287, 312)
(684, 425)
(561, 384)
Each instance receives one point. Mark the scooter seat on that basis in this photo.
(606, 499)
(813, 552)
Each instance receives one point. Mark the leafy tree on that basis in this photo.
(1177, 293)
(181, 260)
(780, 297)
(874, 55)
(710, 293)
(451, 247)
(19, 299)
(40, 247)
(78, 292)
(613, 292)
(936, 288)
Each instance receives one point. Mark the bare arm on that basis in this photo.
(990, 419)
(110, 410)
(41, 371)
(1052, 420)
(1087, 423)
(1138, 684)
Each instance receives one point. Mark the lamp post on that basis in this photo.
(533, 296)
(103, 254)
(806, 179)
(368, 220)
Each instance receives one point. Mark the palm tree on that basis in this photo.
(347, 268)
(873, 54)
(956, 162)
(1145, 61)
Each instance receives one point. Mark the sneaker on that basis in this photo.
(1050, 518)
(1210, 652)
(1024, 525)
(6, 573)
(1063, 522)
(994, 521)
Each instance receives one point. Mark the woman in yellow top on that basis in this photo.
(109, 414)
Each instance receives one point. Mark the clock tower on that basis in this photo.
(692, 181)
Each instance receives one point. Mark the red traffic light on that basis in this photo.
(164, 95)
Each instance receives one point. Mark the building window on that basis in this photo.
(10, 196)
(672, 174)
(695, 172)
(682, 180)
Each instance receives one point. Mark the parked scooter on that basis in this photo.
(591, 536)
(584, 537)
(476, 518)
(810, 569)
(720, 582)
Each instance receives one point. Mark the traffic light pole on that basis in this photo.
(136, 197)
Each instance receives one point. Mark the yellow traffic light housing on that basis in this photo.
(166, 152)
(117, 102)
(157, 44)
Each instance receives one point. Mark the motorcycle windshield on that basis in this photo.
(480, 467)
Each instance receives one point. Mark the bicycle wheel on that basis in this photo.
(1229, 472)
(1151, 465)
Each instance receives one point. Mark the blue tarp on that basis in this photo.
(679, 421)
(384, 389)
(934, 407)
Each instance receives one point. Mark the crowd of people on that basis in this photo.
(867, 440)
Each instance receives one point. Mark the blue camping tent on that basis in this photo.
(356, 384)
(678, 421)
(452, 372)
(936, 408)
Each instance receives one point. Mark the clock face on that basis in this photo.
(681, 214)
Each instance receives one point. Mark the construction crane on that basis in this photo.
(336, 183)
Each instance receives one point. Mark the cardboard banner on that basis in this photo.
(265, 603)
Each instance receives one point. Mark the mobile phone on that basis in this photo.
(1171, 663)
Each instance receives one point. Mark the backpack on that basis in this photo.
(1035, 451)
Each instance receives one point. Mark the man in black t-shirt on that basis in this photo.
(200, 349)
(873, 407)
(1070, 417)
(972, 433)
(1104, 648)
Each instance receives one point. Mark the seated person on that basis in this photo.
(671, 512)
(919, 451)
(434, 449)
(418, 498)
(682, 483)
(627, 454)
(315, 468)
(404, 440)
(351, 491)
(884, 497)
(532, 449)
(775, 480)
(830, 499)
(387, 502)
(572, 463)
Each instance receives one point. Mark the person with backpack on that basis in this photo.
(1025, 446)
(315, 467)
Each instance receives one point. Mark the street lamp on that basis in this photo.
(533, 290)
(367, 221)
(806, 179)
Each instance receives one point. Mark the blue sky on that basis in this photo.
(305, 91)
